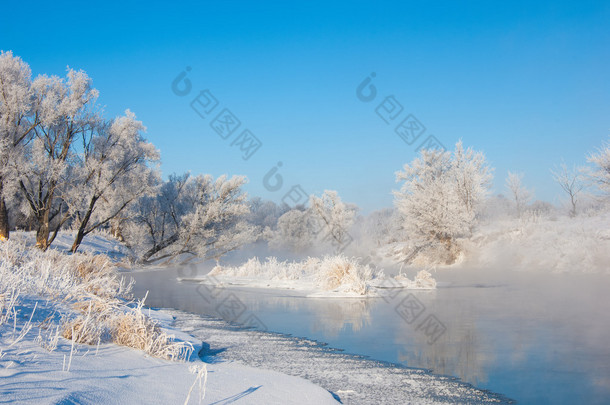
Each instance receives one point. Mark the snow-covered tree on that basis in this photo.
(265, 214)
(111, 173)
(379, 228)
(16, 125)
(601, 171)
(521, 196)
(472, 175)
(197, 215)
(296, 230)
(64, 111)
(335, 217)
(439, 198)
(572, 182)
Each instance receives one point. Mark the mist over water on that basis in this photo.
(534, 337)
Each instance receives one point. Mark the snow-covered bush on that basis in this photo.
(331, 273)
(134, 329)
(271, 269)
(89, 293)
(343, 274)
(423, 280)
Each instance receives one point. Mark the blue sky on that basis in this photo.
(528, 84)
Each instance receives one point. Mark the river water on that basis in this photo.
(535, 338)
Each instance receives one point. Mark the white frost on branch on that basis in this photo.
(521, 195)
(439, 200)
(110, 174)
(601, 171)
(197, 215)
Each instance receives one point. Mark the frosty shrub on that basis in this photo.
(136, 330)
(271, 269)
(423, 279)
(332, 273)
(343, 274)
(98, 295)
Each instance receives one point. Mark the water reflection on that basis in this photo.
(462, 351)
(538, 341)
(334, 316)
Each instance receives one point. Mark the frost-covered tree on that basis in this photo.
(379, 228)
(296, 230)
(111, 172)
(197, 215)
(439, 198)
(155, 221)
(601, 171)
(521, 196)
(16, 125)
(334, 216)
(265, 214)
(472, 176)
(572, 182)
(496, 207)
(64, 111)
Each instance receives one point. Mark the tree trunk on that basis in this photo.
(79, 238)
(4, 227)
(83, 225)
(42, 234)
(115, 229)
(159, 247)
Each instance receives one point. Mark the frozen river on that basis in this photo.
(535, 339)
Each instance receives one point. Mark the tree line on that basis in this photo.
(64, 165)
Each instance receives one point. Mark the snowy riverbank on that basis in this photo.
(43, 300)
(108, 373)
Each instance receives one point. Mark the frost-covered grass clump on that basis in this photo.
(343, 274)
(270, 269)
(92, 299)
(423, 280)
(331, 273)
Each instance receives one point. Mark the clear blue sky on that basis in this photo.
(528, 84)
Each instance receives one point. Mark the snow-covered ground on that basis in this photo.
(31, 374)
(95, 243)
